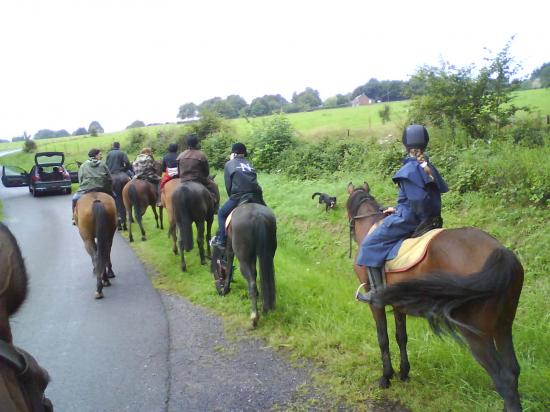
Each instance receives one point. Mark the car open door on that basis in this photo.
(13, 176)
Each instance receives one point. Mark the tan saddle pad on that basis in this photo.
(411, 252)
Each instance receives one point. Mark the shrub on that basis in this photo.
(271, 138)
(29, 145)
(217, 147)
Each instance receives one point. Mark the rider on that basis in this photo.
(241, 185)
(418, 210)
(169, 164)
(193, 166)
(117, 160)
(146, 169)
(93, 176)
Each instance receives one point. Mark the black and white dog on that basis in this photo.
(329, 201)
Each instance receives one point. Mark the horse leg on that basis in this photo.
(110, 273)
(91, 248)
(154, 207)
(505, 348)
(248, 269)
(130, 236)
(200, 240)
(379, 315)
(401, 337)
(160, 217)
(484, 351)
(182, 252)
(139, 218)
(209, 236)
(172, 232)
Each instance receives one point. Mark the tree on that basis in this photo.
(540, 78)
(480, 101)
(81, 131)
(385, 114)
(209, 123)
(135, 124)
(95, 128)
(308, 99)
(272, 137)
(29, 145)
(187, 111)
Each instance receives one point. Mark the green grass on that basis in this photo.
(538, 100)
(317, 318)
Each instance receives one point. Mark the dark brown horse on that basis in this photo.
(22, 380)
(95, 217)
(251, 236)
(192, 203)
(137, 195)
(468, 285)
(119, 181)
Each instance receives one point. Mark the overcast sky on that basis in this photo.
(65, 63)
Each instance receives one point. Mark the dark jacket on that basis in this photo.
(193, 165)
(117, 161)
(419, 198)
(170, 159)
(240, 178)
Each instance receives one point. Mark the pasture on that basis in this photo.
(317, 319)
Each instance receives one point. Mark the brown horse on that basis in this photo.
(138, 194)
(95, 217)
(22, 380)
(468, 284)
(120, 179)
(166, 200)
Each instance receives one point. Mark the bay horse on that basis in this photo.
(120, 179)
(137, 195)
(22, 381)
(251, 237)
(166, 201)
(95, 217)
(192, 203)
(467, 285)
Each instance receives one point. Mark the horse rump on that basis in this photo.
(439, 295)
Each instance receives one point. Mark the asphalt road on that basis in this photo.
(135, 350)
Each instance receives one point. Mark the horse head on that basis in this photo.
(222, 273)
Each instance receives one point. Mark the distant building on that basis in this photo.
(361, 100)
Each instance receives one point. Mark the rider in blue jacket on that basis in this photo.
(418, 208)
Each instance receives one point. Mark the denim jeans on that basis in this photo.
(224, 211)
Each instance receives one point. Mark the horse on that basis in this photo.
(251, 236)
(192, 203)
(22, 380)
(138, 194)
(95, 217)
(166, 201)
(468, 285)
(119, 181)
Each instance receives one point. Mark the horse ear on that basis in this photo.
(351, 188)
(366, 187)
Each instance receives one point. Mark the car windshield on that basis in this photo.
(54, 159)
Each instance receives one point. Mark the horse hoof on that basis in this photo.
(105, 283)
(203, 262)
(143, 238)
(183, 268)
(99, 295)
(384, 383)
(131, 239)
(254, 318)
(111, 275)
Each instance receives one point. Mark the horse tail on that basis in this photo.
(134, 203)
(439, 294)
(183, 219)
(266, 244)
(315, 194)
(101, 234)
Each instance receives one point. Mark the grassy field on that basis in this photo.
(317, 318)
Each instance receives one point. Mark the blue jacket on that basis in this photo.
(419, 198)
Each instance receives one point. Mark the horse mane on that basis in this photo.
(357, 198)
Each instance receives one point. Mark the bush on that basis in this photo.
(271, 138)
(29, 145)
(137, 140)
(217, 147)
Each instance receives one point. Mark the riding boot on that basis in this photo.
(376, 283)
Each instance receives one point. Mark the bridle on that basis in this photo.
(352, 219)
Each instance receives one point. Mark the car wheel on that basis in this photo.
(34, 193)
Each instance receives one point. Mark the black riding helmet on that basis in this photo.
(415, 136)
(239, 148)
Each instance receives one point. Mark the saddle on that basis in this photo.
(412, 251)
